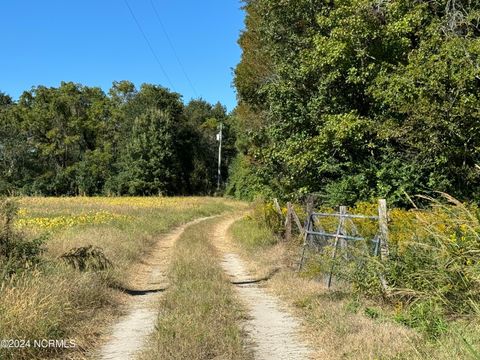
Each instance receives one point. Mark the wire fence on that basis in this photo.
(340, 236)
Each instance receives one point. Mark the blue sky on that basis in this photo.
(95, 42)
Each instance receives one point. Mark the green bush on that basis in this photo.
(426, 316)
(16, 252)
(244, 183)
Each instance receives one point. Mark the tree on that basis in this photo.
(149, 165)
(75, 140)
(356, 99)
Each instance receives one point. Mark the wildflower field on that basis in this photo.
(46, 298)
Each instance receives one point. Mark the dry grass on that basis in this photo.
(56, 302)
(337, 325)
(334, 322)
(199, 315)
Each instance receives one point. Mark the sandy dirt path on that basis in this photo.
(273, 331)
(129, 335)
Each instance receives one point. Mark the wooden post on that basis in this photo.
(383, 238)
(343, 210)
(383, 227)
(309, 204)
(307, 227)
(278, 210)
(277, 206)
(297, 221)
(288, 223)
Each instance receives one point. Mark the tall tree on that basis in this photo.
(76, 139)
(359, 98)
(149, 164)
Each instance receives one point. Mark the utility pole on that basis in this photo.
(219, 139)
(219, 174)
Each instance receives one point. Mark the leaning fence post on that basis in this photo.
(383, 227)
(307, 227)
(297, 221)
(288, 222)
(278, 209)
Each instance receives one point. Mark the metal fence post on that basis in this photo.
(308, 226)
(343, 211)
(343, 242)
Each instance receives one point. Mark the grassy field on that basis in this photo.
(199, 314)
(341, 323)
(55, 301)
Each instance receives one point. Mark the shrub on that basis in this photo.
(244, 183)
(432, 270)
(16, 252)
(426, 316)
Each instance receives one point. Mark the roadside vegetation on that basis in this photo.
(358, 99)
(43, 297)
(431, 307)
(199, 315)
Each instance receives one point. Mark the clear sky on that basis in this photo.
(94, 42)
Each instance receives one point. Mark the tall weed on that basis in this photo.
(17, 253)
(432, 271)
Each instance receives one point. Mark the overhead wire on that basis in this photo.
(172, 47)
(152, 50)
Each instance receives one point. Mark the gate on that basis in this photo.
(314, 236)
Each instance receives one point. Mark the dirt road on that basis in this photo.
(273, 331)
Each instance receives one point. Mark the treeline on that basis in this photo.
(357, 99)
(77, 140)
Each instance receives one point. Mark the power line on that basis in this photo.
(173, 47)
(149, 44)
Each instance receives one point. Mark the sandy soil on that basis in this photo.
(274, 333)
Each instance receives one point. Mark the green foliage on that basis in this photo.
(76, 140)
(243, 182)
(200, 150)
(426, 316)
(371, 312)
(432, 273)
(359, 99)
(148, 164)
(431, 269)
(16, 252)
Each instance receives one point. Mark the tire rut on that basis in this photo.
(273, 331)
(129, 335)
